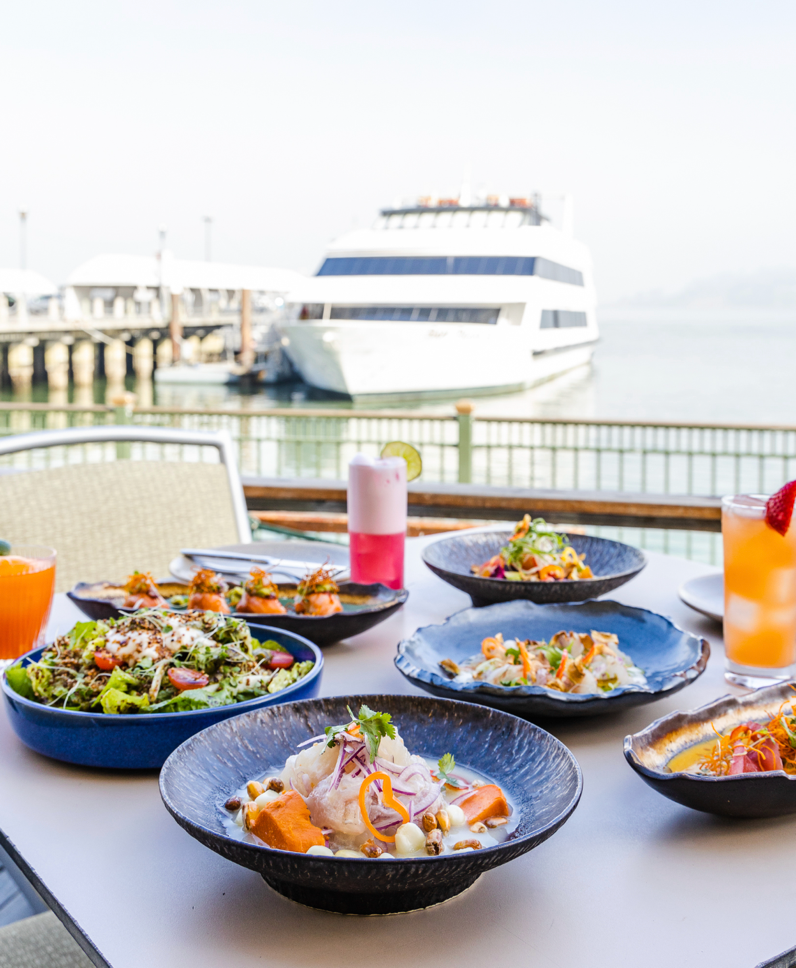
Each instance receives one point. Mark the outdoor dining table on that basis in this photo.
(632, 879)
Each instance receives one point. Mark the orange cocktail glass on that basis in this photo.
(27, 583)
(759, 594)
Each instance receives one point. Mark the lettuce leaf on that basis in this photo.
(116, 701)
(17, 677)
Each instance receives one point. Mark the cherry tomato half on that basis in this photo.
(281, 660)
(187, 679)
(106, 660)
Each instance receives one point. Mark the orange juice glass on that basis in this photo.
(759, 594)
(27, 582)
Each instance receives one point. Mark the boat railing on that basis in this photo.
(610, 462)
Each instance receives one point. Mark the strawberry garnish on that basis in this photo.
(779, 508)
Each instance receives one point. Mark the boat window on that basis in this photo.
(420, 314)
(561, 319)
(426, 220)
(558, 273)
(450, 266)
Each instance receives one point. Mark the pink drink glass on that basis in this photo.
(377, 519)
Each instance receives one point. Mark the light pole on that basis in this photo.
(208, 220)
(23, 238)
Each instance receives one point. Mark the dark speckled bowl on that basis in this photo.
(748, 795)
(612, 562)
(537, 771)
(669, 657)
(363, 607)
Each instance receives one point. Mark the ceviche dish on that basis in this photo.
(749, 748)
(156, 661)
(576, 662)
(357, 791)
(535, 552)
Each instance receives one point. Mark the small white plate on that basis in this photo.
(319, 552)
(705, 594)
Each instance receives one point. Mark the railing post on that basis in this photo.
(123, 404)
(464, 412)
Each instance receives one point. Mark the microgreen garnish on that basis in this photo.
(373, 726)
(447, 764)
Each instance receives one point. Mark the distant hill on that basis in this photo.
(773, 289)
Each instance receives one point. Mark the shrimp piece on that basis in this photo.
(318, 594)
(260, 595)
(206, 592)
(142, 592)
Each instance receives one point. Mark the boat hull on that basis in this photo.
(383, 359)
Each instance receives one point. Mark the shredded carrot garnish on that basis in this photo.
(526, 659)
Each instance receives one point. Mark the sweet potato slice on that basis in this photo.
(285, 824)
(487, 801)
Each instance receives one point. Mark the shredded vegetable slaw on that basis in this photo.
(535, 552)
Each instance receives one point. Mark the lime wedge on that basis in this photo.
(397, 448)
(5, 548)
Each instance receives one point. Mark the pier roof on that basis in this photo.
(25, 282)
(176, 274)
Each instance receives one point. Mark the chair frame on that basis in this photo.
(221, 440)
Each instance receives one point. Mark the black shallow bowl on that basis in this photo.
(748, 795)
(363, 607)
(537, 771)
(669, 657)
(612, 562)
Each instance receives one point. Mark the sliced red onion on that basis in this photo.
(387, 766)
(314, 739)
(461, 796)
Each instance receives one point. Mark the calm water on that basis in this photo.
(727, 371)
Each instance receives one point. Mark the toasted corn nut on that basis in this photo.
(275, 784)
(443, 821)
(371, 849)
(478, 827)
(449, 666)
(496, 822)
(429, 821)
(461, 844)
(254, 789)
(250, 812)
(434, 842)
(232, 804)
(477, 783)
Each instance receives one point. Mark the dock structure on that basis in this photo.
(121, 315)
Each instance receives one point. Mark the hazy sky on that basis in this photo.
(672, 124)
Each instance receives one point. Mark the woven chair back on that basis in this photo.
(108, 520)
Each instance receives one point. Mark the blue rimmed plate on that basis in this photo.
(669, 657)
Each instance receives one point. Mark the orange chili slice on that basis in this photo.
(387, 799)
(526, 659)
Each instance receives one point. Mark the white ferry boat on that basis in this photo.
(445, 296)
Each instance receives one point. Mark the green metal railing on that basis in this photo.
(691, 459)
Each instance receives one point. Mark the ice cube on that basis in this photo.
(781, 587)
(742, 614)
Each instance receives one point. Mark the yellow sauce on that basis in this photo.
(685, 760)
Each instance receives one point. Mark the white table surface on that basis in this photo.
(632, 879)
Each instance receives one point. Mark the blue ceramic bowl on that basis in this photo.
(669, 657)
(770, 794)
(612, 563)
(136, 742)
(538, 772)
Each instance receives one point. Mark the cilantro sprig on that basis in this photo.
(446, 765)
(372, 725)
